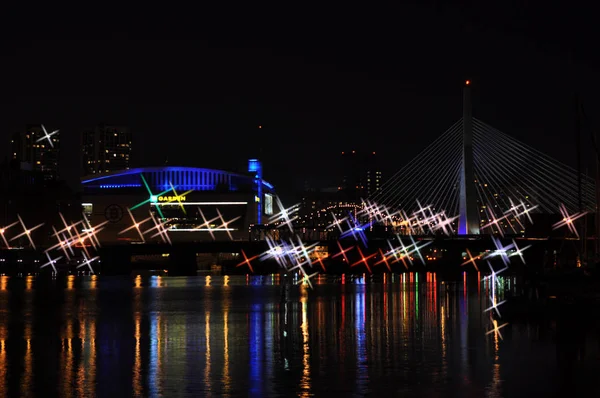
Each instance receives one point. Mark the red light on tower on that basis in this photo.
(467, 82)
(260, 127)
(373, 153)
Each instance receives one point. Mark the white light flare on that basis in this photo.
(3, 231)
(51, 262)
(88, 262)
(47, 136)
(135, 224)
(26, 232)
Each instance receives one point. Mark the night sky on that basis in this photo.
(193, 85)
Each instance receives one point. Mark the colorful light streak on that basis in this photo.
(150, 196)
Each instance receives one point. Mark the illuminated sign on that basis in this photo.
(268, 204)
(171, 198)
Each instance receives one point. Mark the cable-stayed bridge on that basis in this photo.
(487, 179)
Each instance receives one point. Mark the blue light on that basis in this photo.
(266, 184)
(121, 186)
(256, 346)
(361, 338)
(254, 165)
(186, 178)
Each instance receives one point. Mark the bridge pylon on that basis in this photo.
(468, 221)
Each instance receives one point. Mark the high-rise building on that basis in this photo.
(36, 150)
(361, 175)
(105, 149)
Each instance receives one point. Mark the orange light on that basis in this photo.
(260, 127)
(468, 82)
(373, 153)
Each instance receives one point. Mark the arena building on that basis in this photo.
(195, 204)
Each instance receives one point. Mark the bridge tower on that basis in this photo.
(255, 166)
(468, 221)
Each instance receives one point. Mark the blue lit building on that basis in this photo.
(195, 203)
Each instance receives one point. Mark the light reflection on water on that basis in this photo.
(233, 336)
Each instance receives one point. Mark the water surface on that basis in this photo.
(401, 335)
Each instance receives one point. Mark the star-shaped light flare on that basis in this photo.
(384, 260)
(92, 231)
(177, 198)
(47, 136)
(51, 262)
(416, 248)
(496, 329)
(501, 251)
(135, 224)
(398, 253)
(286, 216)
(26, 232)
(159, 226)
(301, 254)
(150, 196)
(364, 260)
(356, 230)
(247, 261)
(518, 251)
(64, 243)
(3, 233)
(342, 251)
(473, 260)
(88, 262)
(495, 221)
(207, 223)
(568, 220)
(337, 223)
(443, 223)
(306, 278)
(493, 277)
(225, 224)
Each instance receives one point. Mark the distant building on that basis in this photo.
(194, 203)
(317, 208)
(106, 149)
(361, 175)
(35, 153)
(498, 212)
(29, 195)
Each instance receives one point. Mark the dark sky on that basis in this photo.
(193, 85)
